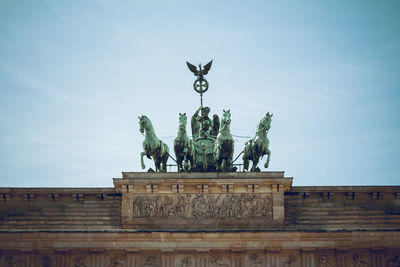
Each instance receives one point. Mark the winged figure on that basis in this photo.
(201, 71)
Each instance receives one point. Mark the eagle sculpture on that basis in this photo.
(201, 71)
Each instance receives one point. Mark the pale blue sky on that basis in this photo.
(75, 75)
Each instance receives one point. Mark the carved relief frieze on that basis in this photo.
(255, 260)
(202, 206)
(150, 260)
(79, 261)
(219, 261)
(324, 261)
(45, 261)
(360, 261)
(184, 261)
(115, 261)
(292, 261)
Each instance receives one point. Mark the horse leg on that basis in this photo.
(141, 159)
(157, 163)
(245, 162)
(255, 163)
(191, 160)
(217, 151)
(191, 154)
(229, 159)
(164, 163)
(181, 163)
(224, 165)
(185, 160)
(229, 164)
(246, 156)
(269, 156)
(178, 162)
(164, 154)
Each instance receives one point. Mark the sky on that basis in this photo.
(75, 76)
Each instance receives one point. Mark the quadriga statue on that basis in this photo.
(258, 146)
(152, 146)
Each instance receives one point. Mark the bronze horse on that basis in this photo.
(258, 146)
(183, 146)
(152, 146)
(223, 148)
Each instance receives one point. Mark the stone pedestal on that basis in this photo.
(195, 201)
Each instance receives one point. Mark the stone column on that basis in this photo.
(202, 256)
(62, 257)
(378, 257)
(272, 257)
(342, 257)
(96, 257)
(45, 257)
(28, 258)
(132, 257)
(237, 259)
(167, 258)
(307, 257)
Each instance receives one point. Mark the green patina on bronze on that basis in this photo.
(211, 147)
(183, 146)
(152, 146)
(223, 148)
(258, 146)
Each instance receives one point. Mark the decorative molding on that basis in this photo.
(167, 251)
(237, 250)
(342, 250)
(152, 188)
(175, 188)
(96, 250)
(308, 250)
(132, 250)
(53, 197)
(202, 188)
(202, 251)
(274, 250)
(78, 197)
(227, 188)
(28, 197)
(253, 188)
(328, 195)
(5, 197)
(353, 195)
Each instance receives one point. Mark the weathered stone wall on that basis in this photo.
(343, 207)
(278, 249)
(60, 208)
(201, 219)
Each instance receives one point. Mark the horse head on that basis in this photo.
(182, 121)
(144, 123)
(266, 121)
(226, 118)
